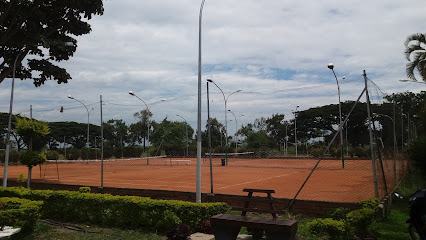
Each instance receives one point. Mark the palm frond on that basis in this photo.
(419, 37)
(412, 49)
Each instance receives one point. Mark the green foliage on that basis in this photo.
(52, 155)
(361, 219)
(372, 204)
(19, 212)
(29, 27)
(73, 154)
(31, 130)
(118, 211)
(415, 55)
(13, 156)
(330, 228)
(338, 213)
(362, 152)
(21, 179)
(84, 190)
(32, 158)
(342, 224)
(417, 153)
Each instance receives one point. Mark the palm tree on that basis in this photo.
(416, 50)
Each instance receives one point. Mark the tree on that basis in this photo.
(28, 27)
(142, 125)
(31, 130)
(415, 53)
(216, 132)
(31, 159)
(276, 127)
(170, 136)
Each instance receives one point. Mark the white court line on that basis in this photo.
(265, 179)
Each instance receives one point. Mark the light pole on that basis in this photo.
(295, 128)
(186, 130)
(236, 129)
(331, 66)
(225, 99)
(148, 113)
(9, 126)
(198, 180)
(87, 143)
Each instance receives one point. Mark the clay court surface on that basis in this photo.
(328, 183)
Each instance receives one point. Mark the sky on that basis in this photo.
(275, 51)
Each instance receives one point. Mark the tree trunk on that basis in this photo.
(29, 178)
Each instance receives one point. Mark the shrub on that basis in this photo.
(84, 190)
(21, 179)
(361, 219)
(19, 212)
(371, 204)
(338, 213)
(32, 158)
(327, 227)
(118, 211)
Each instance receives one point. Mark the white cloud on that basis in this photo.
(275, 51)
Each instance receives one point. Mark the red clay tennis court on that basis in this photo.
(329, 182)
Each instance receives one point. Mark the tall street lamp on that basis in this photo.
(295, 128)
(148, 113)
(186, 130)
(9, 126)
(236, 129)
(225, 99)
(87, 142)
(198, 180)
(331, 66)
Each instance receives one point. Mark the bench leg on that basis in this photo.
(271, 235)
(222, 232)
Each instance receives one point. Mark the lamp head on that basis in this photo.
(239, 90)
(297, 106)
(209, 80)
(331, 66)
(404, 80)
(131, 93)
(70, 97)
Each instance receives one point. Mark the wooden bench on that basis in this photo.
(227, 227)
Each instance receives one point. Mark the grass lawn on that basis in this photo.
(45, 231)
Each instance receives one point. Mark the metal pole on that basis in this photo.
(87, 142)
(236, 127)
(198, 181)
(210, 139)
(9, 126)
(402, 130)
(102, 147)
(331, 66)
(295, 129)
(373, 157)
(395, 149)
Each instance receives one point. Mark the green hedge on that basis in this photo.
(19, 212)
(128, 212)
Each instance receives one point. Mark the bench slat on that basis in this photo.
(260, 200)
(258, 190)
(257, 210)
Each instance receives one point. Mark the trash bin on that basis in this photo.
(223, 161)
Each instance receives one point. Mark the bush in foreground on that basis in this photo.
(118, 211)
